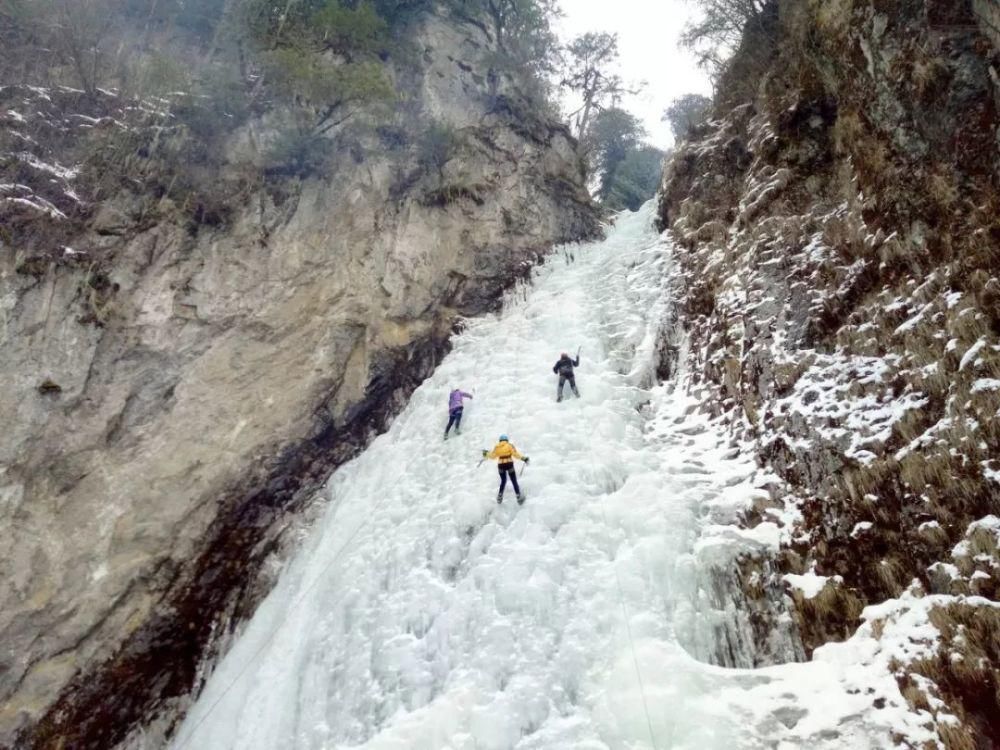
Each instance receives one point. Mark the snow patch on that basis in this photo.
(992, 475)
(36, 203)
(809, 583)
(63, 173)
(860, 528)
(970, 355)
(986, 384)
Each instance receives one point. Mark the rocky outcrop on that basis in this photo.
(175, 389)
(838, 255)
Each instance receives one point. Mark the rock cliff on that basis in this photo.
(838, 259)
(179, 379)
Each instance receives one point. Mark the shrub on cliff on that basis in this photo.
(299, 78)
(686, 113)
(81, 35)
(321, 55)
(522, 29)
(12, 15)
(297, 152)
(199, 19)
(191, 74)
(436, 146)
(314, 26)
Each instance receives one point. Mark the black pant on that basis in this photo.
(505, 470)
(567, 378)
(454, 418)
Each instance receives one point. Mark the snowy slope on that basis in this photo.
(420, 615)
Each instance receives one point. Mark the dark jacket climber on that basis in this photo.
(564, 369)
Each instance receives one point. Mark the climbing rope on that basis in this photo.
(628, 630)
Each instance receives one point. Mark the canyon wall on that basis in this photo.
(838, 257)
(179, 379)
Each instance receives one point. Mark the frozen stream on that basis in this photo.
(419, 615)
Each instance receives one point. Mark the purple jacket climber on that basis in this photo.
(456, 401)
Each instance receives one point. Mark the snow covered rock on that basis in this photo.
(840, 284)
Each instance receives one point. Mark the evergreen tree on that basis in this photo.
(613, 134)
(589, 59)
(522, 29)
(627, 168)
(636, 179)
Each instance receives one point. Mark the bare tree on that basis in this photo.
(81, 31)
(719, 30)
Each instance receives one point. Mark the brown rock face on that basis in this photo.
(175, 391)
(838, 220)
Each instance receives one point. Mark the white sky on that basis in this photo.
(648, 31)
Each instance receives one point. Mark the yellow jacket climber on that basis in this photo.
(505, 453)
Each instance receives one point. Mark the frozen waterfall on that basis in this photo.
(419, 615)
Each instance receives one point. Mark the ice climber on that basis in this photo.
(504, 452)
(564, 369)
(456, 405)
